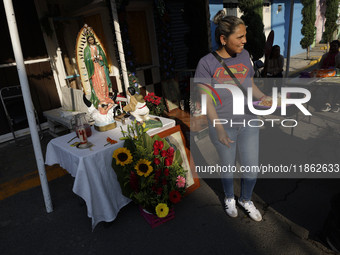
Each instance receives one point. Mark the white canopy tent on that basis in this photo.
(13, 29)
(19, 59)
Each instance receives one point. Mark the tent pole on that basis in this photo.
(13, 29)
(119, 44)
(289, 36)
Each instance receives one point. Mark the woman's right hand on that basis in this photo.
(223, 137)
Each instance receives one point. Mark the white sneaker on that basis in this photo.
(251, 209)
(230, 207)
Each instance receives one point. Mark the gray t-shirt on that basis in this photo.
(241, 67)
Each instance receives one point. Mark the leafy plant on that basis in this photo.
(331, 16)
(308, 24)
(252, 17)
(149, 170)
(155, 104)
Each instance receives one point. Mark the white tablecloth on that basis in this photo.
(95, 180)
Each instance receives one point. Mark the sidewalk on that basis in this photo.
(299, 62)
(294, 210)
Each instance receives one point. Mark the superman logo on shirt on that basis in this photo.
(239, 70)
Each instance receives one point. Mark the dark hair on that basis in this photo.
(335, 41)
(226, 25)
(271, 52)
(132, 90)
(87, 39)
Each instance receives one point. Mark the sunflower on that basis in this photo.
(123, 156)
(143, 167)
(162, 210)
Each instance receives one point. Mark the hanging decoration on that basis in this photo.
(163, 37)
(128, 50)
(164, 41)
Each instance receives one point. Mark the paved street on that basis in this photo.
(294, 209)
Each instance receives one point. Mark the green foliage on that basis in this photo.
(256, 39)
(251, 5)
(308, 23)
(331, 16)
(133, 81)
(166, 55)
(252, 17)
(148, 191)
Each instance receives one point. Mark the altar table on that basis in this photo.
(95, 180)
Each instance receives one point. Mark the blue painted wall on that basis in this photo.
(280, 25)
(279, 22)
(214, 7)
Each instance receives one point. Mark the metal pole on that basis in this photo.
(119, 43)
(290, 35)
(13, 29)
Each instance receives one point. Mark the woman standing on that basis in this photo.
(98, 73)
(230, 35)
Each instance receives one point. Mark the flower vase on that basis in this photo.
(154, 220)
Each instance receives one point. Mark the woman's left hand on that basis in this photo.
(266, 98)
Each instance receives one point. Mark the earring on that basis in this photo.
(223, 43)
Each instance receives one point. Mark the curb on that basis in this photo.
(311, 63)
(29, 181)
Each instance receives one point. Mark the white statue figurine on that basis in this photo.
(137, 106)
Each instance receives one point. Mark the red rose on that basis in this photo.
(164, 181)
(168, 161)
(164, 153)
(155, 151)
(156, 179)
(134, 183)
(158, 172)
(158, 145)
(154, 188)
(159, 191)
(156, 161)
(155, 145)
(166, 172)
(175, 196)
(171, 151)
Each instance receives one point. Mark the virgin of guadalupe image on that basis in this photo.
(94, 74)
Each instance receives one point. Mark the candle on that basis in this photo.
(82, 135)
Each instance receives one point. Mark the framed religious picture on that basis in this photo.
(175, 138)
(171, 93)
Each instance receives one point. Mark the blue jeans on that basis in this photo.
(246, 142)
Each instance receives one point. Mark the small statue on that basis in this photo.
(94, 74)
(136, 106)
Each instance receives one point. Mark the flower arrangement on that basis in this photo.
(149, 170)
(155, 104)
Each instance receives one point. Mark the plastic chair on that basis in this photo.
(13, 103)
